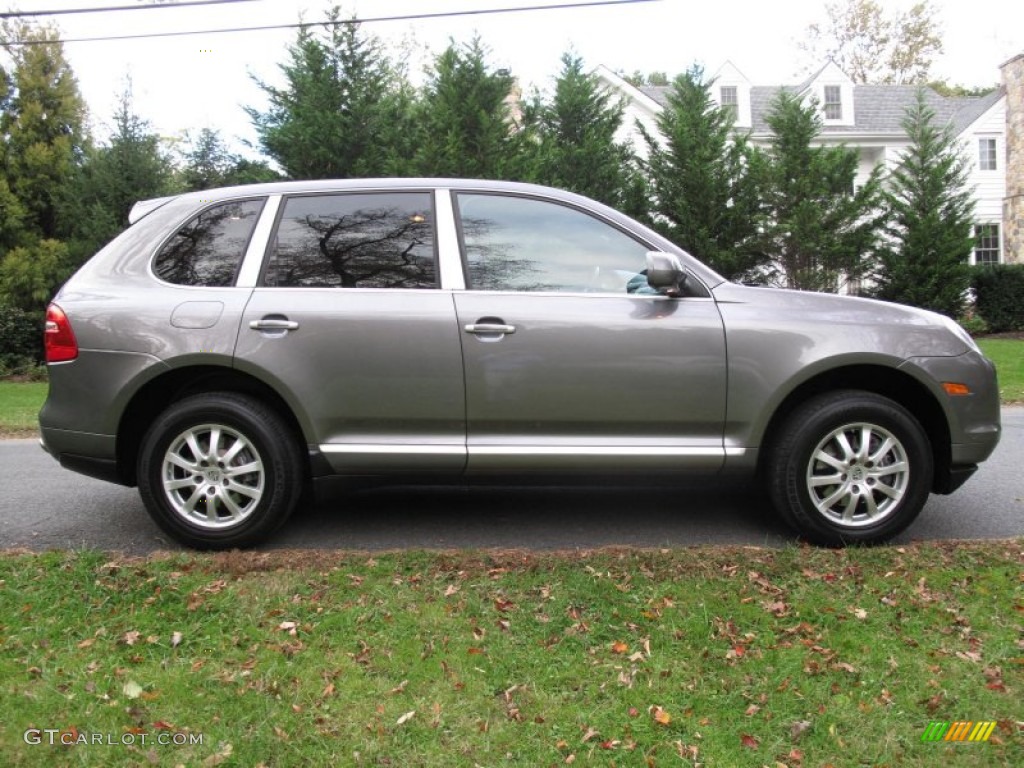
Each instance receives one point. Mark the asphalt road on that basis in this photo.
(43, 506)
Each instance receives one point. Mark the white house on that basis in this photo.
(868, 118)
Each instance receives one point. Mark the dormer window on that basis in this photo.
(833, 102)
(729, 101)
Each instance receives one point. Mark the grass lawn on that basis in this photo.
(1008, 355)
(19, 407)
(702, 656)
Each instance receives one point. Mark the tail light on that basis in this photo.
(58, 338)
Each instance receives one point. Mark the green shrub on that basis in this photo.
(999, 296)
(22, 368)
(974, 324)
(21, 336)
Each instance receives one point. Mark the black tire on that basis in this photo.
(830, 489)
(237, 503)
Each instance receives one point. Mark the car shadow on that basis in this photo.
(533, 518)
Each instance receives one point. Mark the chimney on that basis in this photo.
(1013, 204)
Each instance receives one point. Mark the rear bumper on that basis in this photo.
(83, 452)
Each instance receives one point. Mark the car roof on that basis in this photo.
(144, 207)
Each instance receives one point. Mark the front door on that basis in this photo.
(572, 362)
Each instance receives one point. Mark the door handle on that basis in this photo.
(489, 329)
(268, 324)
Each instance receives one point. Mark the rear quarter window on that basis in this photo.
(208, 249)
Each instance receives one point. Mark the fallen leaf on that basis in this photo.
(752, 710)
(131, 689)
(400, 688)
(405, 718)
(131, 638)
(591, 733)
(220, 756)
(86, 643)
(797, 729)
(661, 716)
(175, 639)
(619, 647)
(749, 741)
(451, 589)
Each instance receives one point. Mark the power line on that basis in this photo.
(68, 11)
(308, 24)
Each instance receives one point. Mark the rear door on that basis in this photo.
(347, 321)
(572, 361)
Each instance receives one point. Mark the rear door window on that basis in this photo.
(375, 240)
(208, 250)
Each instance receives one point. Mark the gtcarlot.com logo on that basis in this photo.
(72, 737)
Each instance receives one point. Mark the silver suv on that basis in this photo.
(235, 344)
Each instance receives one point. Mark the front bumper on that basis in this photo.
(973, 420)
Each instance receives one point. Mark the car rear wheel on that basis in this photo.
(218, 471)
(850, 467)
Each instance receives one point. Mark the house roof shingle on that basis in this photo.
(878, 109)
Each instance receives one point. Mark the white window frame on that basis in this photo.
(837, 103)
(983, 237)
(731, 105)
(988, 153)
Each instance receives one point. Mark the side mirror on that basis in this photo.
(665, 273)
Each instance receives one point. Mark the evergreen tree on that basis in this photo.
(932, 214)
(820, 232)
(42, 127)
(577, 150)
(704, 179)
(341, 112)
(209, 164)
(466, 129)
(207, 161)
(130, 167)
(31, 274)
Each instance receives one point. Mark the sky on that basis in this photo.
(198, 81)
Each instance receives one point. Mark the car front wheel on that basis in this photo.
(850, 467)
(218, 471)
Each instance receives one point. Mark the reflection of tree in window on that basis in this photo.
(491, 265)
(208, 250)
(523, 244)
(355, 241)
